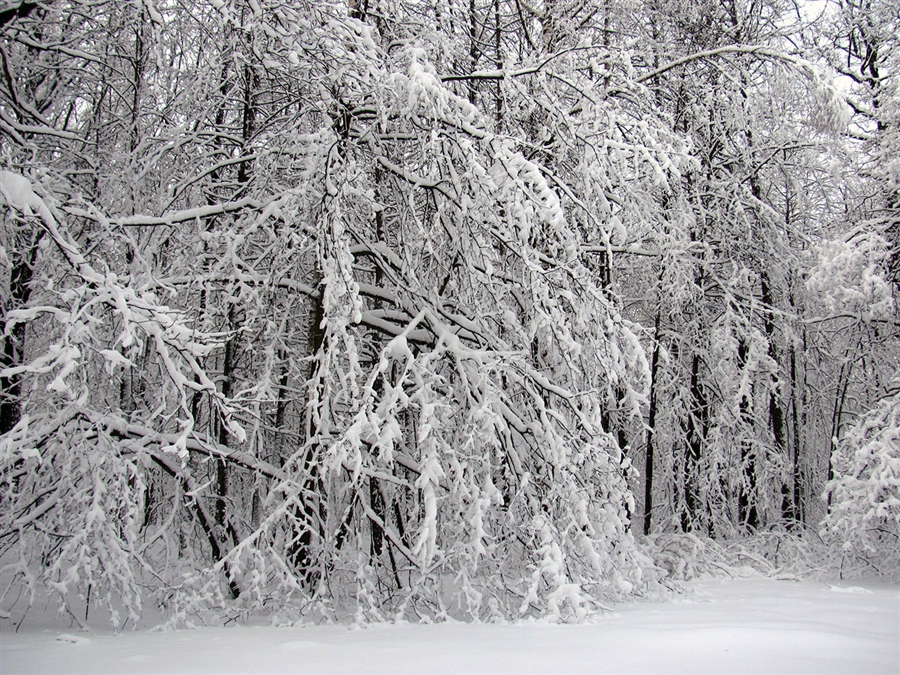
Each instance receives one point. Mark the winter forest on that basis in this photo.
(459, 309)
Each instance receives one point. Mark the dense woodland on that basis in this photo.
(481, 309)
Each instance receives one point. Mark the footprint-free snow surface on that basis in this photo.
(750, 625)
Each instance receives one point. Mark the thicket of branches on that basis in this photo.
(419, 310)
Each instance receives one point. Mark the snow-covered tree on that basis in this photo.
(726, 449)
(369, 307)
(855, 283)
(358, 349)
(864, 496)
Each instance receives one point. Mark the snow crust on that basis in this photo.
(753, 625)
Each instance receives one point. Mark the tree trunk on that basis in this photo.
(651, 430)
(22, 259)
(693, 514)
(777, 414)
(748, 510)
(309, 515)
(798, 406)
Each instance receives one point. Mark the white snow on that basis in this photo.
(18, 192)
(753, 625)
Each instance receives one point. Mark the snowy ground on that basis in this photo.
(751, 625)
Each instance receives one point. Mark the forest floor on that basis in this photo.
(744, 625)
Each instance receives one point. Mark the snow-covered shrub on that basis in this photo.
(80, 542)
(774, 552)
(864, 495)
(74, 488)
(683, 556)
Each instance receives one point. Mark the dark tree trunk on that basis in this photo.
(13, 341)
(797, 413)
(693, 516)
(651, 430)
(309, 515)
(777, 415)
(748, 511)
(221, 466)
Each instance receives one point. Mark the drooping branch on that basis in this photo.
(758, 50)
(199, 212)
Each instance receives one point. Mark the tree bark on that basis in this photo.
(651, 430)
(12, 354)
(748, 510)
(693, 514)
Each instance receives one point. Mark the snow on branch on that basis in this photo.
(864, 495)
(758, 50)
(198, 213)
